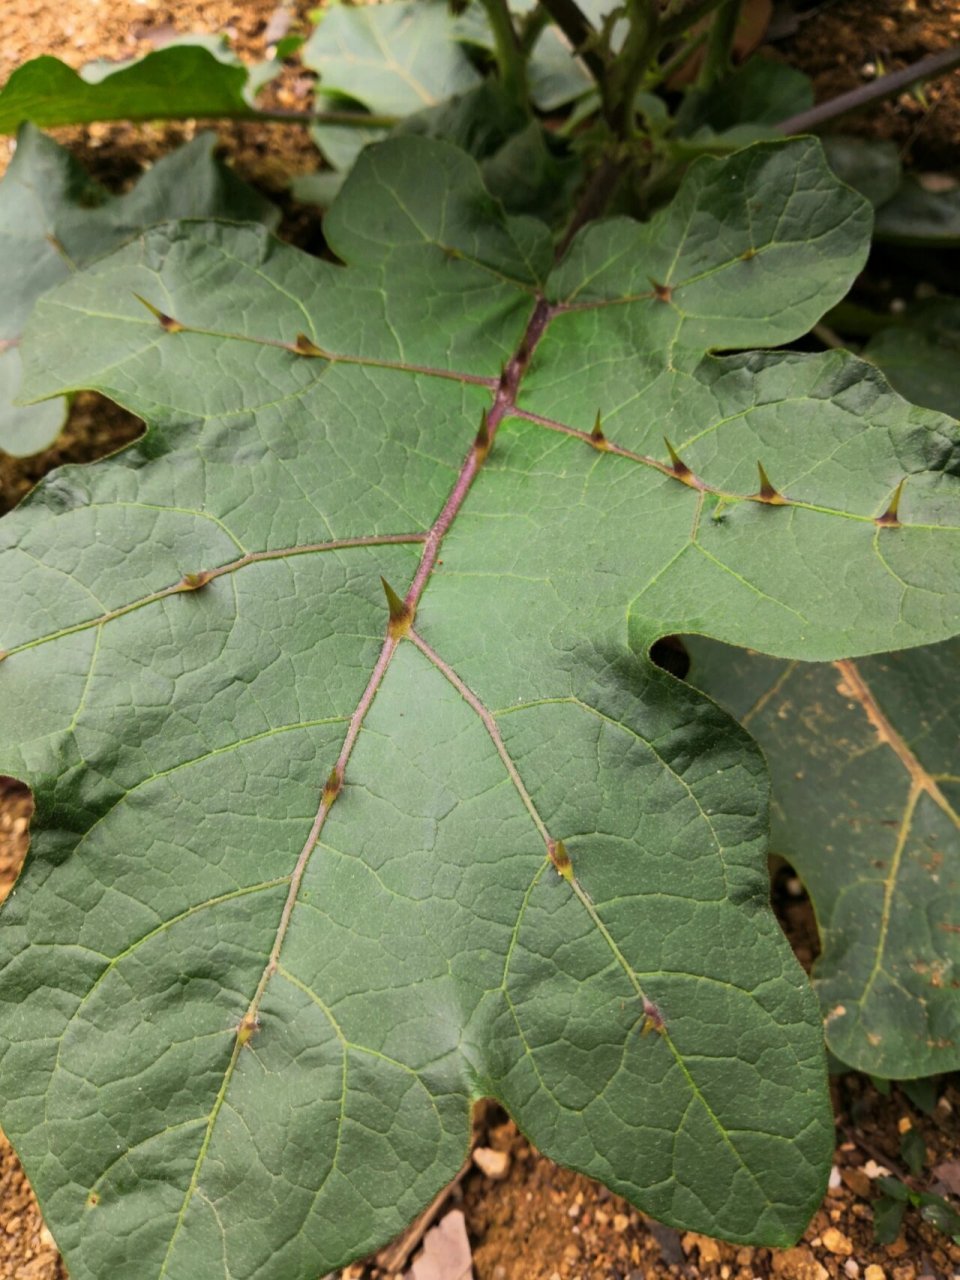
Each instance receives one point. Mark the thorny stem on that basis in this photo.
(511, 57)
(937, 64)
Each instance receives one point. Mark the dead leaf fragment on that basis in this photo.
(949, 1174)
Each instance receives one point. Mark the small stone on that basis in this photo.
(858, 1182)
(904, 1124)
(493, 1164)
(836, 1242)
(873, 1272)
(851, 1268)
(874, 1170)
(620, 1222)
(798, 1264)
(898, 1248)
(907, 1272)
(836, 1179)
(708, 1248)
(574, 1211)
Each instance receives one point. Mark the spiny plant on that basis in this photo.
(359, 797)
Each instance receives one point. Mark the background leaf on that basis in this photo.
(920, 354)
(863, 758)
(394, 59)
(264, 985)
(869, 165)
(54, 219)
(916, 215)
(174, 83)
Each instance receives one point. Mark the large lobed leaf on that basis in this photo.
(54, 220)
(244, 1009)
(863, 757)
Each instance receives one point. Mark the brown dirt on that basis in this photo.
(845, 44)
(541, 1222)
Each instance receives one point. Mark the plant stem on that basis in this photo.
(631, 63)
(532, 27)
(511, 59)
(718, 61)
(596, 195)
(350, 119)
(886, 87)
(674, 25)
(677, 59)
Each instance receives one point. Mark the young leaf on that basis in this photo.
(174, 83)
(863, 758)
(54, 220)
(404, 939)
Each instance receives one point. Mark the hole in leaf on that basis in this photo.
(16, 810)
(670, 654)
(794, 911)
(95, 427)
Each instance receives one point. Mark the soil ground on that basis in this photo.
(538, 1222)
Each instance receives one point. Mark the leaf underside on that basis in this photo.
(298, 891)
(54, 220)
(866, 797)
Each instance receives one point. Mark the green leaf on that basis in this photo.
(863, 758)
(310, 874)
(175, 83)
(54, 219)
(526, 167)
(887, 1220)
(393, 59)
(920, 354)
(759, 92)
(943, 1216)
(869, 165)
(919, 216)
(923, 1093)
(913, 1151)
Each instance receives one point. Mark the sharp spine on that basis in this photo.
(481, 443)
(890, 519)
(166, 322)
(768, 493)
(560, 859)
(304, 346)
(597, 438)
(401, 617)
